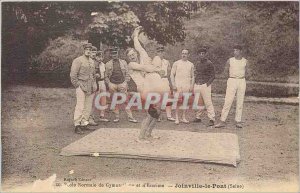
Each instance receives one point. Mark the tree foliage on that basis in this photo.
(161, 21)
(58, 55)
(268, 32)
(273, 42)
(28, 26)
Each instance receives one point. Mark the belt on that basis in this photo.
(237, 77)
(101, 79)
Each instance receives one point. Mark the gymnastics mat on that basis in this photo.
(220, 148)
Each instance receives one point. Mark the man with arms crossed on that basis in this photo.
(182, 78)
(117, 76)
(236, 84)
(204, 76)
(83, 79)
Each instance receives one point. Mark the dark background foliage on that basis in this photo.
(39, 37)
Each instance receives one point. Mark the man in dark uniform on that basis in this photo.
(117, 77)
(204, 76)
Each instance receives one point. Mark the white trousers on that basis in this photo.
(122, 88)
(238, 87)
(205, 93)
(83, 107)
(102, 88)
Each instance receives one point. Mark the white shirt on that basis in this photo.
(237, 68)
(102, 69)
(182, 73)
(164, 66)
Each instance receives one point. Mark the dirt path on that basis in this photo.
(37, 123)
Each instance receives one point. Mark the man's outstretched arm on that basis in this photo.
(144, 57)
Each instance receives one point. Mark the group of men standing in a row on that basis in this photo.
(89, 74)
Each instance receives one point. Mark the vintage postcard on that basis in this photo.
(150, 96)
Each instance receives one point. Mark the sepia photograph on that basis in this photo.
(150, 96)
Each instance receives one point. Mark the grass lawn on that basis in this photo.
(37, 124)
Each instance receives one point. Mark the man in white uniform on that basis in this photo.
(236, 84)
(165, 66)
(182, 78)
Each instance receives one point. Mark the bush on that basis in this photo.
(267, 31)
(57, 56)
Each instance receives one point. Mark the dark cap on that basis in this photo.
(160, 48)
(114, 49)
(87, 45)
(237, 46)
(99, 53)
(202, 49)
(94, 48)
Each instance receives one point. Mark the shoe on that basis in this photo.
(159, 119)
(78, 130)
(211, 123)
(87, 128)
(221, 124)
(93, 123)
(132, 120)
(142, 141)
(171, 119)
(239, 125)
(84, 122)
(116, 120)
(103, 119)
(153, 137)
(177, 122)
(197, 120)
(184, 121)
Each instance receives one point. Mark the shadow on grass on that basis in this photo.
(43, 80)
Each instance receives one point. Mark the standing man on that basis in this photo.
(204, 76)
(117, 76)
(182, 78)
(236, 67)
(165, 66)
(100, 71)
(83, 79)
(92, 121)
